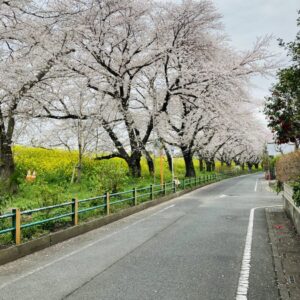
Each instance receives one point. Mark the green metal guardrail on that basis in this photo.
(70, 211)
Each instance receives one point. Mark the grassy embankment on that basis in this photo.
(53, 185)
(54, 169)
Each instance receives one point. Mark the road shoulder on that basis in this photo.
(286, 253)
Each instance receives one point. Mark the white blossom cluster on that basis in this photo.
(123, 76)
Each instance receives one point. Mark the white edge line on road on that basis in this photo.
(255, 188)
(243, 284)
(81, 249)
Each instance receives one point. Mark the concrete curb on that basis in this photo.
(15, 252)
(281, 281)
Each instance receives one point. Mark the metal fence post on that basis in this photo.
(16, 223)
(75, 211)
(184, 184)
(174, 186)
(134, 196)
(165, 188)
(107, 203)
(151, 192)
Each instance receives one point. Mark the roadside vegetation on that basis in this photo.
(56, 179)
(288, 170)
(55, 182)
(282, 109)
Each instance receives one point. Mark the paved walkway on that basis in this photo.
(286, 251)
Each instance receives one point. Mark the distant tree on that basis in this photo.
(283, 106)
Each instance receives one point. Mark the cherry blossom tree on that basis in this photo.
(114, 42)
(30, 47)
(131, 71)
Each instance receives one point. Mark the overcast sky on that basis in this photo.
(245, 20)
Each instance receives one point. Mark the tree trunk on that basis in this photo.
(256, 166)
(169, 158)
(79, 168)
(208, 166)
(249, 166)
(189, 164)
(237, 163)
(134, 165)
(7, 168)
(243, 166)
(80, 154)
(228, 163)
(150, 163)
(201, 164)
(213, 165)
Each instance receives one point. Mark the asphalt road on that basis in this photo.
(188, 248)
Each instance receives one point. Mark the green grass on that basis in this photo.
(54, 170)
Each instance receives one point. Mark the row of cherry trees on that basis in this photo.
(121, 76)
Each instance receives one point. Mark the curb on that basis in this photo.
(280, 279)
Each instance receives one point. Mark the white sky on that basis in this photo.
(245, 20)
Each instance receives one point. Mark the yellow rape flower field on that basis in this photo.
(55, 180)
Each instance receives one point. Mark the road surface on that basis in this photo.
(192, 247)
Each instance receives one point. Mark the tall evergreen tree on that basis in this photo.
(283, 106)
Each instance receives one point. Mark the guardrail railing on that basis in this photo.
(70, 212)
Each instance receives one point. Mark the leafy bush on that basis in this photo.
(288, 167)
(288, 170)
(296, 196)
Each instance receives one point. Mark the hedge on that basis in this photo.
(288, 167)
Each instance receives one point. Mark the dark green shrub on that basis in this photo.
(296, 196)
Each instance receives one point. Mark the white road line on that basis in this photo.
(222, 196)
(255, 188)
(81, 249)
(243, 285)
